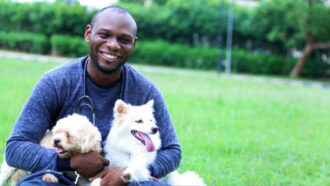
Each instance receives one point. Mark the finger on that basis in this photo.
(106, 181)
(99, 175)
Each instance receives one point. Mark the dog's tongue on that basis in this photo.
(150, 146)
(59, 150)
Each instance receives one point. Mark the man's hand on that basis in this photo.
(110, 177)
(89, 164)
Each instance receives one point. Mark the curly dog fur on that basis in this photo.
(71, 135)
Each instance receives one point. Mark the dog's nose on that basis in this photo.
(57, 142)
(154, 130)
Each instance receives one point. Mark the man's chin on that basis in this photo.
(109, 70)
(107, 67)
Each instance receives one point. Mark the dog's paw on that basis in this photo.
(50, 178)
(127, 176)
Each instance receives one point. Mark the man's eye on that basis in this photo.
(103, 35)
(139, 121)
(125, 41)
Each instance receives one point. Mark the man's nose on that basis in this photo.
(113, 44)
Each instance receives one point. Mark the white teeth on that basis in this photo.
(109, 56)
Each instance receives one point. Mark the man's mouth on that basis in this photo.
(108, 56)
(144, 139)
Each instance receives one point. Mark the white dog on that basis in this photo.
(71, 135)
(133, 142)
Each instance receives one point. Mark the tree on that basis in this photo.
(281, 25)
(145, 2)
(313, 33)
(69, 2)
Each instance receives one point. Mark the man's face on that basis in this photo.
(111, 40)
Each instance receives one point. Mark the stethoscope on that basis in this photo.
(86, 101)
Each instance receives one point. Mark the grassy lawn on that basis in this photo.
(232, 132)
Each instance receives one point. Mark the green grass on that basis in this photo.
(17, 79)
(232, 132)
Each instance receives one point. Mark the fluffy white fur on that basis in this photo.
(124, 147)
(71, 135)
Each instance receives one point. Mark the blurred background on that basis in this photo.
(273, 37)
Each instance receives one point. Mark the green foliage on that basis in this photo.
(244, 62)
(188, 22)
(315, 68)
(162, 53)
(68, 46)
(284, 23)
(43, 17)
(27, 42)
(320, 22)
(140, 2)
(274, 26)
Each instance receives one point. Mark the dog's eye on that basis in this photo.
(139, 121)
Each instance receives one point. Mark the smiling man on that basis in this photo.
(112, 38)
(90, 85)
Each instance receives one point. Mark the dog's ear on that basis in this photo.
(150, 104)
(91, 140)
(120, 107)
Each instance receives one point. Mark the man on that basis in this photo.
(111, 37)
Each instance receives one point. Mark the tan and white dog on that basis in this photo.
(71, 135)
(133, 142)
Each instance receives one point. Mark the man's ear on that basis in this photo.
(88, 33)
(135, 40)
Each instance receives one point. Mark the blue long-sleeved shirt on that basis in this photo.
(56, 96)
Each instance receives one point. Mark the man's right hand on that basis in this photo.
(89, 164)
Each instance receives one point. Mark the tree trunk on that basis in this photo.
(297, 69)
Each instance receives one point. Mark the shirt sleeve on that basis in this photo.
(23, 150)
(169, 156)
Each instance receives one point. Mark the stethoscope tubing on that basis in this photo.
(88, 102)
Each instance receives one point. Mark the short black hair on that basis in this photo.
(116, 8)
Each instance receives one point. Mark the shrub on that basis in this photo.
(68, 46)
(162, 53)
(245, 62)
(316, 68)
(27, 42)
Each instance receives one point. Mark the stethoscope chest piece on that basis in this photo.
(86, 101)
